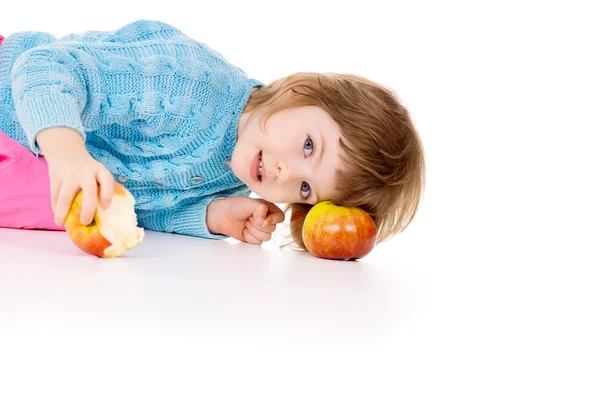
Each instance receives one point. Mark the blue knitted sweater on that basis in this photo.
(157, 108)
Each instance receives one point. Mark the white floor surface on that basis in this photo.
(178, 316)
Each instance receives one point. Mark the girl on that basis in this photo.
(191, 136)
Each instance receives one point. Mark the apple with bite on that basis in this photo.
(338, 232)
(112, 232)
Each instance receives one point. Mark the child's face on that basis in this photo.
(300, 154)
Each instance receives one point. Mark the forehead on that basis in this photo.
(328, 136)
(305, 119)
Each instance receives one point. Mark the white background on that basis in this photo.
(493, 291)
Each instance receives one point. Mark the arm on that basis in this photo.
(246, 219)
(195, 219)
(54, 87)
(60, 142)
(200, 217)
(54, 84)
(48, 91)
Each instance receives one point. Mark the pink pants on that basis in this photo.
(24, 187)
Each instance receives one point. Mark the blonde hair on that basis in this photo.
(382, 153)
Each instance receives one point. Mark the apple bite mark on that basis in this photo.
(120, 226)
(112, 232)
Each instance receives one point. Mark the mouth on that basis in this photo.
(256, 168)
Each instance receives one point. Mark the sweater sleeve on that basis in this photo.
(189, 219)
(186, 220)
(48, 91)
(52, 84)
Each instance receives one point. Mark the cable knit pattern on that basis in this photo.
(158, 108)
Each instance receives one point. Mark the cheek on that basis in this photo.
(278, 194)
(237, 160)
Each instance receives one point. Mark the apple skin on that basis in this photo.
(338, 232)
(112, 232)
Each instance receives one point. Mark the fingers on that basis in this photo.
(275, 215)
(63, 203)
(89, 202)
(262, 224)
(261, 213)
(249, 238)
(81, 172)
(247, 219)
(63, 193)
(270, 228)
(54, 191)
(107, 187)
(261, 235)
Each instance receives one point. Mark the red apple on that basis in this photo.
(338, 232)
(112, 232)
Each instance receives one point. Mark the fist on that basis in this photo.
(246, 219)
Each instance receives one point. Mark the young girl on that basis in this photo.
(191, 136)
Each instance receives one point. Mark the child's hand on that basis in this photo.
(246, 219)
(71, 168)
(79, 172)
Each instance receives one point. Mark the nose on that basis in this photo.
(282, 173)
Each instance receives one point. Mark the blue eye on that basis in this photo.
(308, 145)
(305, 190)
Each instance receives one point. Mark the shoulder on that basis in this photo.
(141, 30)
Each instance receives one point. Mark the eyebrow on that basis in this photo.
(320, 157)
